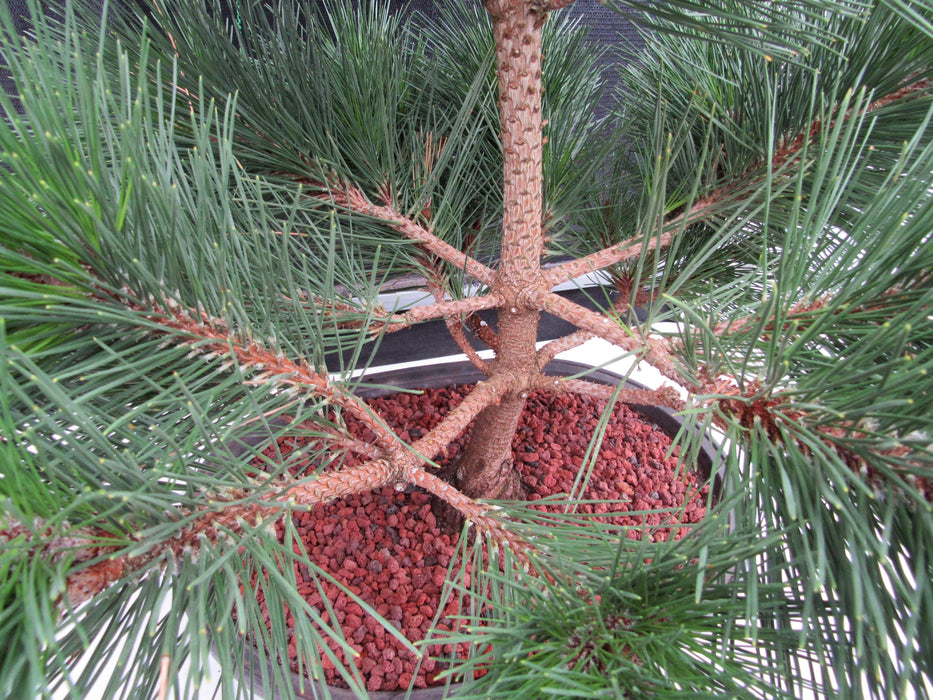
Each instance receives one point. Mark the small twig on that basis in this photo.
(163, 677)
(568, 342)
(573, 340)
(484, 332)
(337, 440)
(456, 332)
(452, 322)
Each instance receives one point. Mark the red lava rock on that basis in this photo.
(385, 546)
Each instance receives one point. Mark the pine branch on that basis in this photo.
(801, 309)
(99, 550)
(442, 309)
(339, 442)
(655, 351)
(354, 200)
(568, 342)
(455, 327)
(753, 409)
(578, 337)
(451, 311)
(479, 514)
(633, 247)
(210, 523)
(329, 486)
(211, 338)
(663, 396)
(483, 394)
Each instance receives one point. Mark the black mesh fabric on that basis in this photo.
(18, 10)
(604, 26)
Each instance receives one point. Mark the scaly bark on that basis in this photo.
(486, 469)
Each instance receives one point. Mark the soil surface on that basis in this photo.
(386, 546)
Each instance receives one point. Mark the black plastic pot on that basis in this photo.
(437, 375)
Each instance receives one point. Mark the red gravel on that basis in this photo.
(386, 546)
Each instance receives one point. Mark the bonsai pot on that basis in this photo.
(439, 375)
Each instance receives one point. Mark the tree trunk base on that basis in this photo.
(501, 483)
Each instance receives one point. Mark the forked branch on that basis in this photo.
(221, 518)
(655, 351)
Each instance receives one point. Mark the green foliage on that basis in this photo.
(174, 185)
(646, 620)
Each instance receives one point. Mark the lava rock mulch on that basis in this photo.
(387, 547)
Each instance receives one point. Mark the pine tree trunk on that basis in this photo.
(486, 469)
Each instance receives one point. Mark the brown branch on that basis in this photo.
(655, 351)
(631, 247)
(801, 308)
(337, 441)
(456, 332)
(353, 199)
(484, 332)
(901, 93)
(663, 396)
(329, 486)
(209, 524)
(101, 552)
(85, 583)
(211, 338)
(473, 511)
(459, 418)
(401, 464)
(454, 325)
(445, 308)
(576, 338)
(568, 342)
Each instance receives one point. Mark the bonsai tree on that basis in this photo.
(201, 203)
